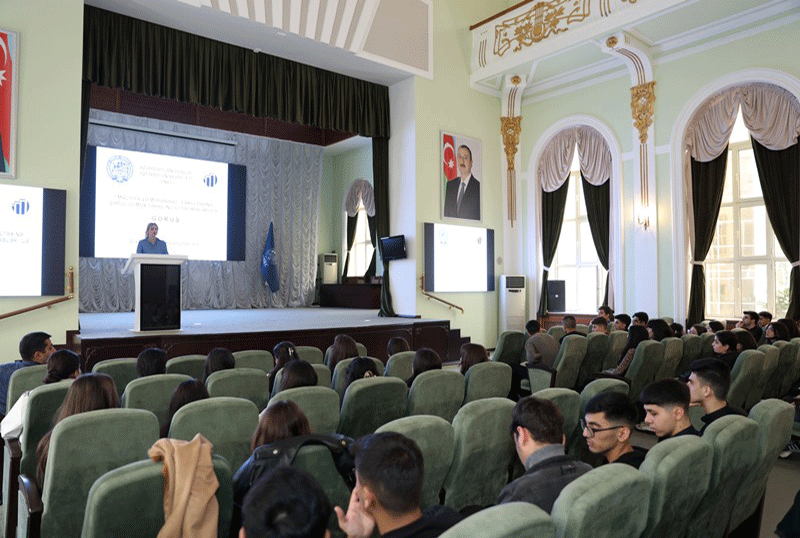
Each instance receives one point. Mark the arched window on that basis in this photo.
(359, 205)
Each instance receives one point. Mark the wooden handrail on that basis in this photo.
(429, 296)
(51, 302)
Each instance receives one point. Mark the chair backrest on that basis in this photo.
(508, 520)
(318, 462)
(616, 343)
(794, 366)
(323, 375)
(255, 358)
(152, 393)
(310, 354)
(370, 403)
(582, 328)
(679, 470)
(692, 348)
(436, 439)
(611, 500)
(601, 385)
(540, 377)
(320, 405)
(556, 331)
(668, 319)
(646, 361)
(597, 345)
(673, 353)
(569, 403)
(339, 373)
(400, 365)
(191, 365)
(487, 380)
(122, 371)
(436, 392)
(228, 423)
(775, 382)
(22, 380)
(569, 359)
(108, 507)
(105, 440)
(510, 347)
(745, 376)
(706, 344)
(483, 453)
(731, 438)
(761, 389)
(248, 383)
(43, 405)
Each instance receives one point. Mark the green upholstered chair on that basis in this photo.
(773, 389)
(152, 393)
(510, 347)
(597, 345)
(508, 520)
(771, 359)
(673, 353)
(611, 500)
(400, 365)
(318, 462)
(362, 349)
(556, 331)
(735, 454)
(104, 440)
(338, 378)
(310, 354)
(794, 367)
(370, 403)
(568, 361)
(774, 418)
(254, 358)
(668, 319)
(22, 380)
(112, 498)
(598, 386)
(484, 451)
(679, 471)
(646, 362)
(541, 377)
(706, 348)
(362, 352)
(248, 383)
(745, 375)
(569, 403)
(616, 343)
(582, 328)
(692, 347)
(436, 439)
(122, 371)
(487, 380)
(320, 405)
(191, 365)
(228, 423)
(437, 392)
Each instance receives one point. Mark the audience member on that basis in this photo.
(677, 329)
(34, 348)
(89, 392)
(776, 332)
(666, 403)
(658, 329)
(359, 368)
(389, 473)
(622, 322)
(708, 386)
(599, 325)
(750, 324)
(537, 427)
(344, 347)
(570, 327)
(283, 353)
(532, 327)
(606, 312)
(151, 361)
(424, 359)
(471, 354)
(219, 359)
(640, 318)
(286, 502)
(791, 328)
(764, 318)
(698, 329)
(636, 335)
(724, 346)
(607, 426)
(280, 420)
(715, 326)
(186, 392)
(541, 348)
(397, 344)
(298, 373)
(745, 341)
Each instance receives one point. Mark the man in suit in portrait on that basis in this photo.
(463, 195)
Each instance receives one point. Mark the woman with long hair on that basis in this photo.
(359, 368)
(298, 373)
(344, 347)
(219, 359)
(471, 354)
(658, 329)
(186, 392)
(776, 331)
(280, 420)
(636, 335)
(424, 359)
(283, 353)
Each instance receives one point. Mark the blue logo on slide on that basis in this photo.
(21, 206)
(119, 168)
(210, 180)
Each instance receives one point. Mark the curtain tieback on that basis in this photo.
(796, 264)
(697, 263)
(548, 269)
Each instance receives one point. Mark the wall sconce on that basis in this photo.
(643, 217)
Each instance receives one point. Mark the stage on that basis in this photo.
(107, 336)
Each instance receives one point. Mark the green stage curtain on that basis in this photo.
(86, 90)
(553, 204)
(598, 209)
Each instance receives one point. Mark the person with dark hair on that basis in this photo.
(219, 359)
(607, 425)
(389, 473)
(62, 364)
(640, 318)
(764, 318)
(186, 392)
(397, 344)
(462, 198)
(283, 353)
(281, 420)
(724, 346)
(677, 329)
(708, 386)
(541, 348)
(424, 359)
(537, 427)
(698, 329)
(636, 335)
(359, 368)
(298, 373)
(570, 327)
(776, 332)
(791, 328)
(606, 313)
(286, 502)
(151, 361)
(666, 403)
(599, 325)
(622, 322)
(745, 341)
(658, 329)
(34, 348)
(750, 324)
(471, 354)
(344, 347)
(532, 327)
(715, 326)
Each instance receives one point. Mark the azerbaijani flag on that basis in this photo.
(6, 91)
(449, 164)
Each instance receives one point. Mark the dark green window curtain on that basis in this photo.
(351, 238)
(86, 90)
(123, 52)
(779, 175)
(553, 204)
(598, 209)
(373, 237)
(708, 181)
(380, 184)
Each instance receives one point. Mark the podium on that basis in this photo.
(158, 290)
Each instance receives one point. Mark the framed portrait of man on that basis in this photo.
(461, 175)
(8, 102)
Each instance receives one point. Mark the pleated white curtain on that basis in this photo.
(283, 187)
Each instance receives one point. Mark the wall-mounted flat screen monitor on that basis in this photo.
(458, 258)
(393, 248)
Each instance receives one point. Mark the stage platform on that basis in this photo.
(107, 336)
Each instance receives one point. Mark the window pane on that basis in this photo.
(566, 244)
(727, 193)
(588, 251)
(753, 288)
(720, 289)
(580, 201)
(587, 289)
(361, 253)
(782, 270)
(567, 274)
(569, 210)
(749, 187)
(753, 222)
(722, 246)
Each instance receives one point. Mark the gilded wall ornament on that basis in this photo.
(511, 128)
(540, 22)
(642, 98)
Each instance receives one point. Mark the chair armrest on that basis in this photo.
(14, 447)
(10, 482)
(606, 375)
(543, 371)
(29, 493)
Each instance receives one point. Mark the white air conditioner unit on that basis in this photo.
(512, 303)
(328, 268)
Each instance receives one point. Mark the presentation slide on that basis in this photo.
(187, 198)
(458, 258)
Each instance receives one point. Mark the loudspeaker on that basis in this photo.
(555, 296)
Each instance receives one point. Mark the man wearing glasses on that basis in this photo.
(607, 425)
